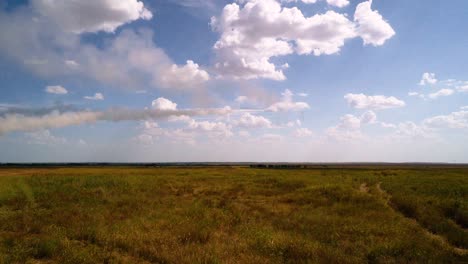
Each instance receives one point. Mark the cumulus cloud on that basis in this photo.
(254, 31)
(347, 129)
(441, 93)
(371, 26)
(215, 129)
(91, 15)
(129, 59)
(95, 97)
(187, 75)
(457, 119)
(378, 102)
(248, 120)
(163, 104)
(412, 130)
(428, 78)
(287, 104)
(187, 135)
(56, 89)
(133, 60)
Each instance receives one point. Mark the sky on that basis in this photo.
(232, 81)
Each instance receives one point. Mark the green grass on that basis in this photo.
(233, 215)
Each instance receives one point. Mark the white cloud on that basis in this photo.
(463, 88)
(189, 75)
(440, 93)
(163, 104)
(350, 122)
(294, 123)
(413, 93)
(248, 120)
(129, 59)
(287, 104)
(95, 97)
(371, 26)
(349, 127)
(303, 132)
(378, 102)
(337, 3)
(412, 130)
(454, 120)
(17, 122)
(10, 122)
(56, 89)
(91, 15)
(369, 117)
(428, 78)
(302, 94)
(214, 129)
(254, 31)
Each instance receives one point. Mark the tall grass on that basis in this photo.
(229, 215)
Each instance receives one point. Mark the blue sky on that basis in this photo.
(254, 80)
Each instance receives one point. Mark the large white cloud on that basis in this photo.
(129, 59)
(377, 102)
(258, 30)
(371, 26)
(163, 104)
(80, 16)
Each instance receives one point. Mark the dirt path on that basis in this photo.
(442, 240)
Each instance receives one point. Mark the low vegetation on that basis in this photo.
(233, 215)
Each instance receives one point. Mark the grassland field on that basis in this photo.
(234, 214)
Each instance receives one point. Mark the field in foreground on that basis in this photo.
(234, 215)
